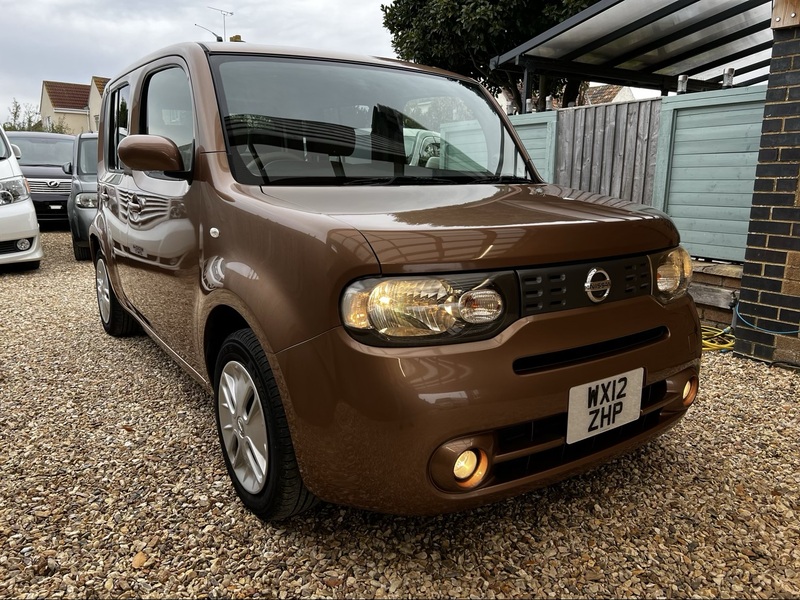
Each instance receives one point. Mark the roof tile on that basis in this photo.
(73, 96)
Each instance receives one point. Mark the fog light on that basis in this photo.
(690, 391)
(465, 466)
(23, 244)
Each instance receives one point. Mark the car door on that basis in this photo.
(160, 276)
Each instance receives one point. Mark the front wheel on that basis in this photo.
(115, 319)
(253, 431)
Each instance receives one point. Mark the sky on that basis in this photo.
(74, 40)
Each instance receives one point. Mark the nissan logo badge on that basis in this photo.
(598, 285)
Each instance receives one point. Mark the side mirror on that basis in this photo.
(150, 153)
(67, 168)
(17, 152)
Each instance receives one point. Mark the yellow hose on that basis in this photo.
(717, 339)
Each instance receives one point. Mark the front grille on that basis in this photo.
(10, 246)
(570, 356)
(537, 446)
(561, 287)
(40, 186)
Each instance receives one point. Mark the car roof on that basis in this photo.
(187, 49)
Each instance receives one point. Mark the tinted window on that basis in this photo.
(118, 124)
(87, 157)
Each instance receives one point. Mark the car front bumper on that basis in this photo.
(50, 208)
(18, 222)
(375, 427)
(79, 221)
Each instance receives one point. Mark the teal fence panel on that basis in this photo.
(538, 134)
(463, 144)
(707, 157)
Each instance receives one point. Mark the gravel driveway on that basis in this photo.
(113, 485)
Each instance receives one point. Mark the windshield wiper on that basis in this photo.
(400, 180)
(500, 179)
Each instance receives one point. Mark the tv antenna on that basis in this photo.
(219, 39)
(224, 13)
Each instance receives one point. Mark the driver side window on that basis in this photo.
(168, 110)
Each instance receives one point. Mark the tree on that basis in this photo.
(27, 118)
(464, 35)
(23, 118)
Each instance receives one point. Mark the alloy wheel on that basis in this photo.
(243, 426)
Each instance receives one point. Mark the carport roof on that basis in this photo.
(648, 43)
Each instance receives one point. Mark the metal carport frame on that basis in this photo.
(649, 43)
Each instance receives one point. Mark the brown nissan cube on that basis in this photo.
(392, 310)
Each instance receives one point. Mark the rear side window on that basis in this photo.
(168, 110)
(118, 124)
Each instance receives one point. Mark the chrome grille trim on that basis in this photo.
(561, 287)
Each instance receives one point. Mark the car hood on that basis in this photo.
(44, 172)
(87, 183)
(476, 227)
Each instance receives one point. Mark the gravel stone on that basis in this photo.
(113, 485)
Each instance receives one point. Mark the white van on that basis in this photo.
(19, 229)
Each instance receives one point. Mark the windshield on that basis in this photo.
(313, 122)
(87, 156)
(44, 151)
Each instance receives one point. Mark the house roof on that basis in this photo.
(602, 94)
(100, 83)
(649, 43)
(71, 96)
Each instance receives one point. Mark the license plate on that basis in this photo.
(603, 405)
(55, 207)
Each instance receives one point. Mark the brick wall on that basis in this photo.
(770, 288)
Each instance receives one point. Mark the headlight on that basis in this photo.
(13, 190)
(673, 271)
(86, 200)
(419, 310)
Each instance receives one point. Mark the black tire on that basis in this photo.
(31, 265)
(81, 252)
(254, 437)
(116, 320)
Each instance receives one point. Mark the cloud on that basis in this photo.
(73, 40)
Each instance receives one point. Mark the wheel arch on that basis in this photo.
(221, 321)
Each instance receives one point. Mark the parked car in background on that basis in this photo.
(42, 160)
(82, 203)
(19, 230)
(357, 257)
